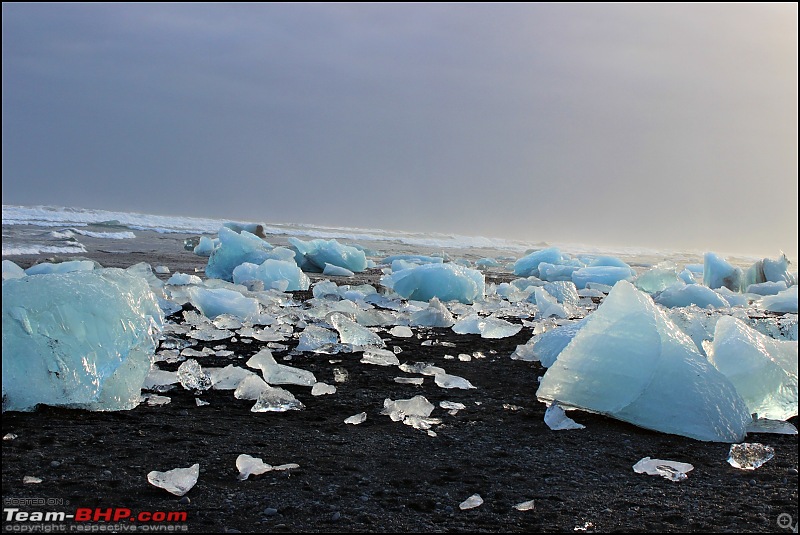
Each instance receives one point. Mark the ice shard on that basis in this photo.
(548, 306)
(251, 466)
(447, 282)
(557, 420)
(318, 340)
(82, 339)
(178, 481)
(471, 503)
(273, 273)
(235, 249)
(763, 370)
(718, 273)
(630, 362)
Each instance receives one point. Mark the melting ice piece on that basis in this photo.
(12, 270)
(525, 506)
(251, 466)
(276, 399)
(353, 333)
(192, 376)
(380, 357)
(409, 380)
(767, 288)
(317, 339)
(548, 306)
(445, 380)
(321, 389)
(279, 374)
(436, 315)
(672, 470)
(30, 480)
(236, 249)
(154, 400)
(336, 271)
(490, 327)
(227, 378)
(272, 272)
(749, 455)
(250, 388)
(82, 339)
(684, 295)
(400, 409)
(471, 503)
(785, 301)
(205, 246)
(763, 370)
(158, 379)
(313, 255)
(609, 275)
(61, 267)
(718, 273)
(421, 367)
(776, 427)
(565, 292)
(215, 301)
(447, 282)
(529, 265)
(557, 420)
(630, 362)
(768, 270)
(178, 481)
(658, 278)
(356, 419)
(401, 331)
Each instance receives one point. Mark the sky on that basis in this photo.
(659, 125)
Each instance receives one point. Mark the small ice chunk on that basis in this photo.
(400, 409)
(336, 271)
(684, 295)
(422, 368)
(158, 379)
(321, 389)
(276, 399)
(548, 306)
(356, 419)
(380, 357)
(785, 301)
(279, 374)
(401, 331)
(445, 380)
(192, 376)
(313, 255)
(215, 301)
(177, 481)
(251, 466)
(672, 470)
(227, 378)
(287, 466)
(161, 270)
(250, 388)
(471, 503)
(154, 400)
(776, 427)
(557, 420)
(436, 315)
(10, 436)
(183, 279)
(340, 375)
(200, 403)
(409, 380)
(235, 249)
(749, 456)
(525, 506)
(352, 333)
(28, 480)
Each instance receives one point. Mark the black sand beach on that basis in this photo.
(383, 476)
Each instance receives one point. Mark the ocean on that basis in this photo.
(53, 231)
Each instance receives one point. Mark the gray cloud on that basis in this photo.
(655, 125)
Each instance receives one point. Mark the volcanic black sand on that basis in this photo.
(383, 476)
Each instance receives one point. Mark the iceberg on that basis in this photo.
(547, 346)
(312, 256)
(608, 275)
(447, 282)
(763, 370)
(684, 295)
(718, 273)
(236, 249)
(215, 301)
(529, 265)
(272, 272)
(767, 270)
(82, 339)
(785, 301)
(630, 362)
(553, 272)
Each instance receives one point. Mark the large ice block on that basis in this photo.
(718, 273)
(785, 301)
(684, 295)
(215, 301)
(82, 339)
(529, 265)
(768, 270)
(763, 370)
(272, 272)
(313, 255)
(609, 275)
(630, 362)
(235, 249)
(61, 267)
(447, 282)
(658, 278)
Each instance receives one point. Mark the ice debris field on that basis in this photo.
(707, 352)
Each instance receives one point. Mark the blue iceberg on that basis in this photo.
(278, 274)
(718, 273)
(447, 282)
(529, 265)
(236, 249)
(313, 255)
(82, 339)
(684, 295)
(608, 275)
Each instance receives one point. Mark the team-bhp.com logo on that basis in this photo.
(92, 519)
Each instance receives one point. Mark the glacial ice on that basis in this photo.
(565, 292)
(379, 357)
(447, 282)
(236, 249)
(529, 265)
(436, 315)
(356, 419)
(750, 455)
(12, 270)
(272, 272)
(250, 388)
(658, 278)
(192, 376)
(82, 339)
(61, 267)
(322, 389)
(279, 374)
(251, 466)
(785, 301)
(717, 273)
(548, 306)
(402, 408)
(684, 295)
(525, 506)
(608, 275)
(471, 503)
(182, 279)
(352, 333)
(336, 271)
(276, 399)
(318, 339)
(763, 370)
(768, 270)
(215, 301)
(227, 378)
(205, 246)
(552, 272)
(672, 470)
(313, 255)
(630, 362)
(445, 380)
(489, 327)
(401, 331)
(766, 288)
(178, 481)
(557, 420)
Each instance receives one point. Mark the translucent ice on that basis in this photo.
(718, 273)
(529, 265)
(672, 470)
(178, 481)
(525, 506)
(81, 339)
(272, 273)
(489, 327)
(313, 255)
(436, 315)
(250, 387)
(205, 246)
(400, 409)
(336, 271)
(749, 456)
(251, 466)
(630, 362)
(565, 292)
(380, 357)
(276, 399)
(553, 272)
(192, 376)
(471, 503)
(549, 345)
(322, 389)
(658, 278)
(447, 282)
(182, 279)
(548, 306)
(768, 270)
(763, 370)
(352, 333)
(227, 378)
(684, 295)
(557, 420)
(215, 301)
(609, 275)
(785, 301)
(61, 267)
(356, 419)
(12, 271)
(401, 331)
(445, 380)
(317, 339)
(279, 374)
(766, 288)
(235, 249)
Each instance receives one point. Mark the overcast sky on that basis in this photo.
(666, 126)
